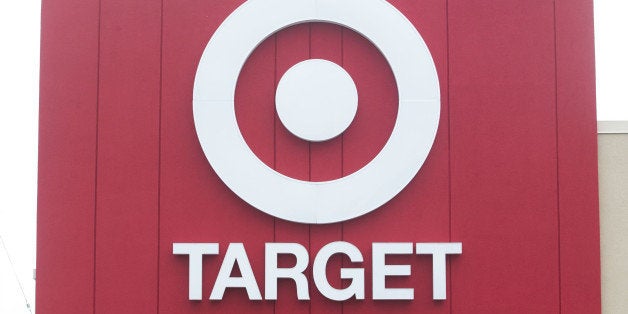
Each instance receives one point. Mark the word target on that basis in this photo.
(329, 201)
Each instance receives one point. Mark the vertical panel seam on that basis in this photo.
(309, 170)
(451, 273)
(342, 153)
(274, 146)
(560, 310)
(96, 154)
(161, 62)
(309, 144)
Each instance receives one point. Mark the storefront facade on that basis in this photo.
(502, 175)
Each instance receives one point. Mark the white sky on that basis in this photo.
(611, 59)
(19, 77)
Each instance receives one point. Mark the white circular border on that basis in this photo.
(303, 201)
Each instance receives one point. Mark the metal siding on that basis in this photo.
(67, 156)
(512, 173)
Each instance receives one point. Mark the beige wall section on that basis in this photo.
(613, 174)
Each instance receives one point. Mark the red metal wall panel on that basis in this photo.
(127, 186)
(421, 211)
(326, 42)
(577, 143)
(67, 156)
(292, 157)
(503, 156)
(195, 205)
(512, 172)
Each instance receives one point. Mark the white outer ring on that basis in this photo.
(303, 201)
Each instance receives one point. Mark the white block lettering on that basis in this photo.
(439, 266)
(195, 251)
(381, 271)
(273, 272)
(235, 254)
(356, 288)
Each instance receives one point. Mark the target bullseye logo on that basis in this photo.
(316, 100)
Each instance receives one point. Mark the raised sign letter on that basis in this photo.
(381, 271)
(195, 251)
(235, 254)
(355, 274)
(295, 273)
(439, 269)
